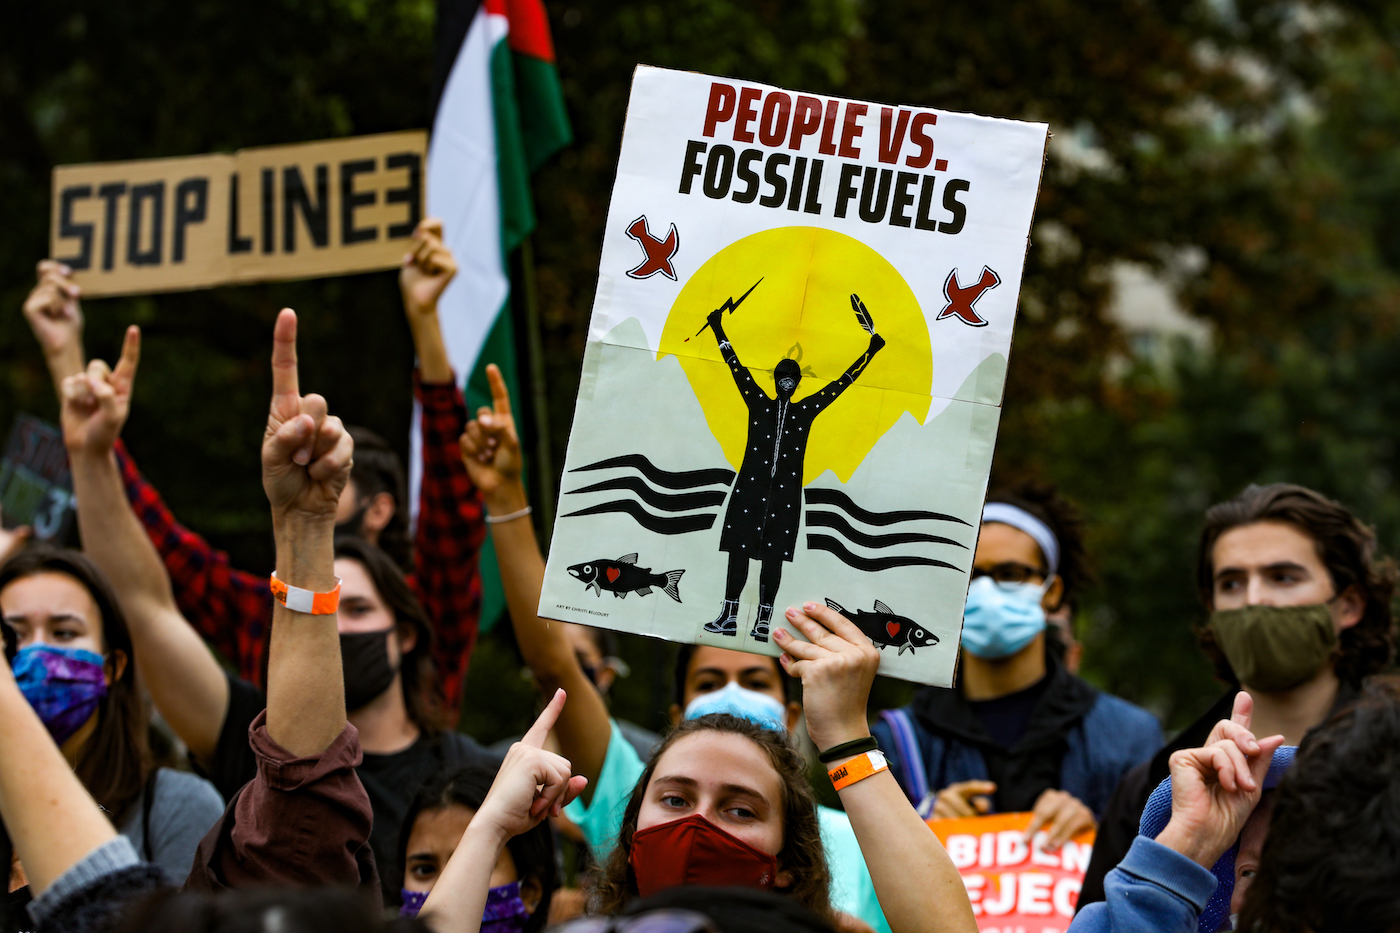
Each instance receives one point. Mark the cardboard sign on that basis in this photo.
(1015, 885)
(36, 488)
(281, 212)
(794, 368)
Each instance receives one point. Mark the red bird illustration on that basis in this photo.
(658, 252)
(961, 300)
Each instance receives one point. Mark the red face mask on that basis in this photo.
(695, 851)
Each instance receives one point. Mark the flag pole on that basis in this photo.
(539, 394)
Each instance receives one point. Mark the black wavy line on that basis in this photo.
(843, 501)
(660, 524)
(828, 543)
(657, 500)
(686, 480)
(833, 520)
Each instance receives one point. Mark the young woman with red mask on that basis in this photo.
(723, 802)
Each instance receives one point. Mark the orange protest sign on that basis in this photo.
(1015, 885)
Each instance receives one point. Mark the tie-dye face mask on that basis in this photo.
(64, 685)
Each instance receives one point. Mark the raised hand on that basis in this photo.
(426, 269)
(1215, 788)
(491, 448)
(96, 402)
(837, 666)
(55, 315)
(532, 783)
(12, 540)
(306, 452)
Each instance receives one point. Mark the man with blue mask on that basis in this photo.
(1018, 732)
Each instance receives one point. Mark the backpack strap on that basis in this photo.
(910, 770)
(148, 801)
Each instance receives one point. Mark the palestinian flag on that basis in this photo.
(500, 115)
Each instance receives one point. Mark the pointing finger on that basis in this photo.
(284, 361)
(546, 721)
(500, 395)
(131, 356)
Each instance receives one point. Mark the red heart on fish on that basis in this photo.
(892, 628)
(613, 574)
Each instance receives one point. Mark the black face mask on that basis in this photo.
(364, 662)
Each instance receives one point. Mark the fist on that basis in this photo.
(52, 309)
(427, 269)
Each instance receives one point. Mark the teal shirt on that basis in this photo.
(852, 890)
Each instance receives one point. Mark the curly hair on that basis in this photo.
(1332, 855)
(1345, 545)
(1044, 501)
(802, 854)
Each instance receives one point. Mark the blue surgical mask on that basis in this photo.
(1000, 620)
(742, 702)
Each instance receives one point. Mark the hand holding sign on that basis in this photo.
(837, 667)
(56, 318)
(96, 402)
(306, 452)
(532, 783)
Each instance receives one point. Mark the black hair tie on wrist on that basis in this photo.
(848, 749)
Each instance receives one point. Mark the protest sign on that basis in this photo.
(794, 367)
(1015, 885)
(36, 488)
(280, 212)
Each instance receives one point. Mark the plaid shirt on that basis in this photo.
(232, 609)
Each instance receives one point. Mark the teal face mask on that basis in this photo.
(1000, 620)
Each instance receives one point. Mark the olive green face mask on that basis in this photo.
(1273, 648)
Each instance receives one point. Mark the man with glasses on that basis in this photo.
(1018, 732)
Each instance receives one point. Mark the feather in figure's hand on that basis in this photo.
(862, 315)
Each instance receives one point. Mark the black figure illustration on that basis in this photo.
(765, 507)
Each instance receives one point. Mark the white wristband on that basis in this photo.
(508, 517)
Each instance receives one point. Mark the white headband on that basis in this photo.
(1019, 518)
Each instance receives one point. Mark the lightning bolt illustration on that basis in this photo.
(729, 305)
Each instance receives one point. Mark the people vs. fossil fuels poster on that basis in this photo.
(794, 368)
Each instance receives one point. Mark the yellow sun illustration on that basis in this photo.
(801, 309)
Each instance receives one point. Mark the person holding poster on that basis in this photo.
(765, 506)
(748, 686)
(1019, 732)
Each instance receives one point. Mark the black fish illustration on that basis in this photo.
(623, 576)
(888, 630)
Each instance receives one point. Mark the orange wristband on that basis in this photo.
(299, 600)
(857, 769)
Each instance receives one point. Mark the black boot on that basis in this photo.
(727, 622)
(760, 625)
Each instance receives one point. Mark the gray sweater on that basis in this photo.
(183, 809)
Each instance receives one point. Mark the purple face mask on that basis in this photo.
(64, 685)
(505, 912)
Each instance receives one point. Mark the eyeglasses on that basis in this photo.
(653, 921)
(1011, 573)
